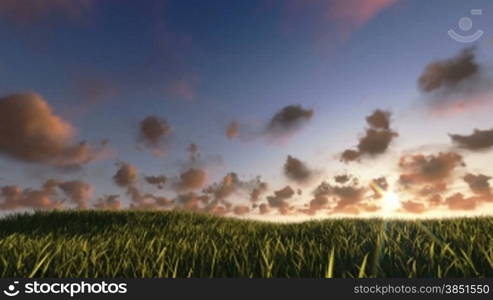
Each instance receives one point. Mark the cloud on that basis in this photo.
(31, 132)
(479, 184)
(46, 197)
(15, 198)
(158, 181)
(192, 179)
(376, 140)
(153, 131)
(459, 202)
(289, 119)
(348, 196)
(296, 170)
(422, 169)
(126, 175)
(413, 207)
(108, 202)
(280, 200)
(343, 16)
(380, 119)
(478, 140)
(229, 184)
(264, 209)
(78, 191)
(449, 73)
(346, 199)
(457, 84)
(342, 178)
(257, 191)
(232, 130)
(319, 202)
(350, 15)
(379, 186)
(29, 12)
(241, 210)
(191, 201)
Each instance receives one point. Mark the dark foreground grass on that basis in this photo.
(179, 244)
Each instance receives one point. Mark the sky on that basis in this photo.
(268, 109)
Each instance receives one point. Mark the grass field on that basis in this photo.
(179, 244)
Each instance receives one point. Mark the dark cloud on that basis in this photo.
(192, 179)
(30, 131)
(478, 140)
(342, 178)
(280, 199)
(479, 184)
(296, 170)
(319, 202)
(258, 190)
(449, 73)
(288, 119)
(380, 119)
(232, 130)
(225, 188)
(456, 85)
(376, 140)
(153, 131)
(158, 181)
(422, 169)
(348, 198)
(126, 175)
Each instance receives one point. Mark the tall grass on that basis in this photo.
(180, 244)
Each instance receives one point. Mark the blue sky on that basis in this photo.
(201, 64)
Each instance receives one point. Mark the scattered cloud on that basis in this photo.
(479, 184)
(422, 169)
(376, 140)
(288, 120)
(192, 179)
(108, 202)
(296, 170)
(153, 132)
(478, 140)
(457, 84)
(31, 132)
(158, 181)
(78, 191)
(280, 200)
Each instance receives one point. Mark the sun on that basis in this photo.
(390, 201)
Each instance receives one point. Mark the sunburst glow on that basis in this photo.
(390, 201)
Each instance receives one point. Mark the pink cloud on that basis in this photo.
(350, 15)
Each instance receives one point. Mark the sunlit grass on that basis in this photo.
(180, 244)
